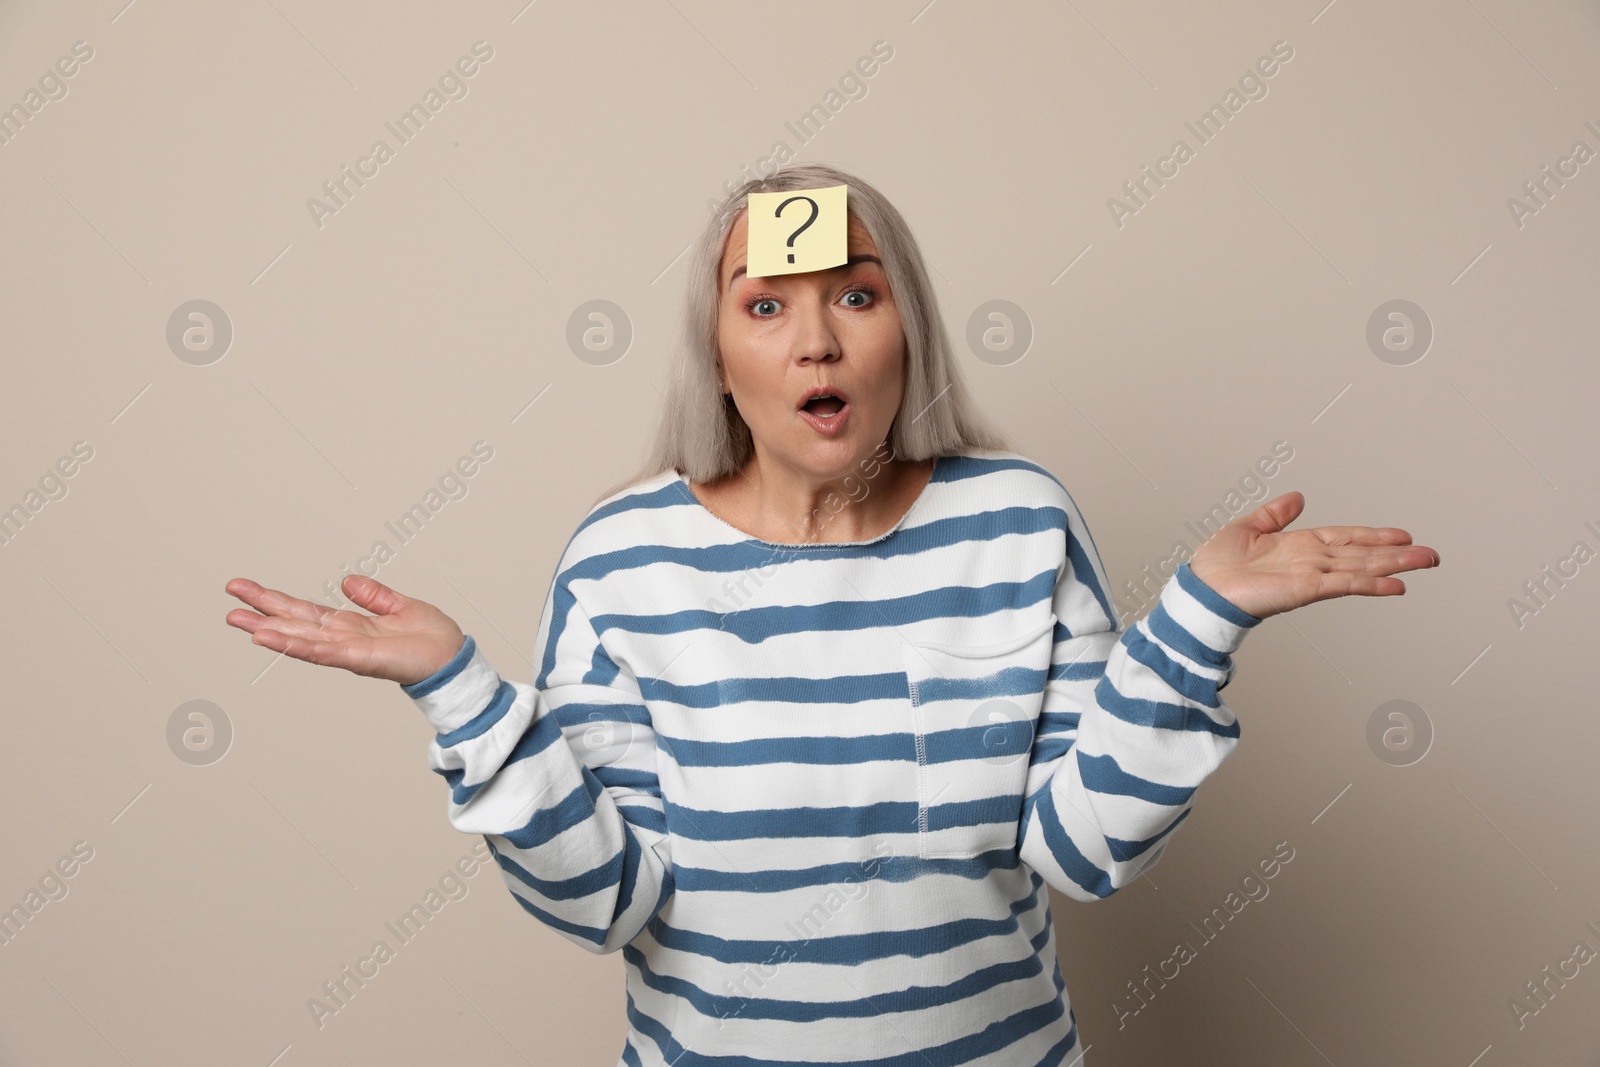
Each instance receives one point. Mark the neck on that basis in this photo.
(793, 505)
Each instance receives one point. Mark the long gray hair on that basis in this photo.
(701, 433)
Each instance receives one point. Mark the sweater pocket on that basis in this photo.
(974, 711)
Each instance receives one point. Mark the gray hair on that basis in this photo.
(702, 434)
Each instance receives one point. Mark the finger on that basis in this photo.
(1353, 584)
(296, 628)
(373, 595)
(1382, 560)
(275, 602)
(1362, 535)
(248, 621)
(322, 653)
(1276, 513)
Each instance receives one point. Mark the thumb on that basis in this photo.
(1277, 513)
(373, 595)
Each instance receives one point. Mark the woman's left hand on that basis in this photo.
(1261, 568)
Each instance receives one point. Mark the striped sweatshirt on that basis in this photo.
(817, 793)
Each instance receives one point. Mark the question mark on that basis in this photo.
(779, 214)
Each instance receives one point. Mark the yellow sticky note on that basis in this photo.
(797, 230)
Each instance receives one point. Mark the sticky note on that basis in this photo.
(796, 230)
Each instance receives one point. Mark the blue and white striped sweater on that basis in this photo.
(815, 792)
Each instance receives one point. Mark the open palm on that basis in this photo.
(1261, 568)
(405, 640)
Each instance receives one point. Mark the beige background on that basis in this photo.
(369, 354)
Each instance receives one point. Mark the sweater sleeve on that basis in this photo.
(1130, 725)
(559, 776)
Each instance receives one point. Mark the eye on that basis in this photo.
(759, 299)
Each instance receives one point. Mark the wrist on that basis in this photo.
(458, 692)
(441, 672)
(1216, 625)
(1226, 593)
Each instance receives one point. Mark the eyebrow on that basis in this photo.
(852, 261)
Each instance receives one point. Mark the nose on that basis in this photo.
(815, 340)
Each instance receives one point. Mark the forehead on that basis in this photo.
(735, 251)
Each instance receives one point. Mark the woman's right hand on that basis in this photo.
(404, 640)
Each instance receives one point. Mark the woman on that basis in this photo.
(829, 694)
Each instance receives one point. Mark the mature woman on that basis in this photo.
(826, 697)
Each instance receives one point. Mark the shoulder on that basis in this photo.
(1008, 477)
(1008, 480)
(1056, 517)
(622, 523)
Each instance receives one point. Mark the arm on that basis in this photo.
(1130, 726)
(559, 777)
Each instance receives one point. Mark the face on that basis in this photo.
(784, 335)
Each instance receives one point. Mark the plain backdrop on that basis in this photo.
(1171, 348)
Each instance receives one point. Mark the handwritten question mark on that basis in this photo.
(814, 211)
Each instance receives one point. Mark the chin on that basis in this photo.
(835, 457)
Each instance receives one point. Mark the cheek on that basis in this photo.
(885, 339)
(760, 384)
(888, 363)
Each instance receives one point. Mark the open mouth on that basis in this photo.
(825, 409)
